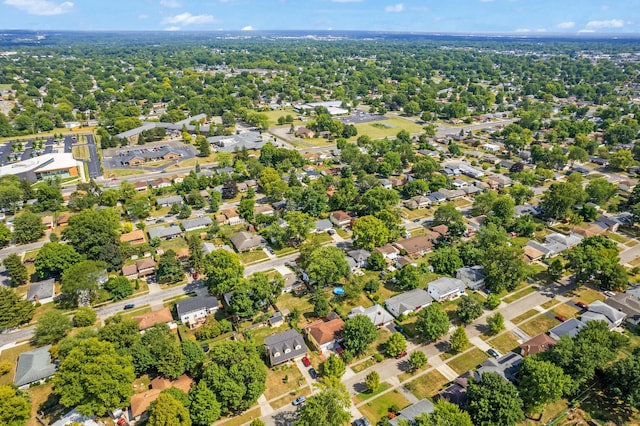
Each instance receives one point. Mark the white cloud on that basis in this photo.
(174, 28)
(41, 7)
(188, 19)
(247, 28)
(587, 31)
(394, 8)
(170, 3)
(566, 25)
(608, 23)
(523, 30)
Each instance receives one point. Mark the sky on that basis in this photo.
(430, 16)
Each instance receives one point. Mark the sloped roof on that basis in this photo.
(150, 319)
(288, 344)
(138, 234)
(194, 304)
(326, 331)
(376, 313)
(140, 402)
(196, 223)
(541, 343)
(162, 232)
(413, 411)
(43, 289)
(409, 300)
(145, 263)
(34, 366)
(506, 366)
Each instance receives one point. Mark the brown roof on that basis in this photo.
(540, 343)
(183, 253)
(140, 184)
(386, 249)
(326, 332)
(441, 229)
(145, 263)
(140, 402)
(340, 215)
(150, 319)
(415, 244)
(129, 270)
(136, 235)
(231, 212)
(159, 181)
(62, 219)
(532, 253)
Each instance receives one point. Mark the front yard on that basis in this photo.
(427, 385)
(283, 379)
(382, 405)
(540, 324)
(467, 360)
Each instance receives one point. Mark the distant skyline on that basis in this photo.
(431, 16)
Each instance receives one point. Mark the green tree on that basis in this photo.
(495, 323)
(622, 380)
(27, 228)
(600, 190)
(17, 271)
(396, 344)
(503, 208)
(483, 203)
(372, 381)
(83, 277)
(51, 327)
(196, 253)
(204, 408)
(595, 260)
(14, 310)
(257, 422)
(494, 401)
(540, 383)
(55, 258)
(377, 199)
(621, 160)
(459, 340)
(327, 265)
(446, 260)
(94, 378)
(376, 261)
(299, 225)
(359, 332)
(504, 267)
(320, 305)
(15, 409)
(432, 322)
(444, 414)
(245, 209)
(417, 360)
(170, 269)
(468, 309)
(119, 288)
(185, 212)
(334, 366)
(168, 411)
(204, 148)
(5, 235)
(560, 199)
(521, 193)
(95, 234)
(555, 270)
(166, 353)
(223, 271)
(328, 407)
(84, 317)
(492, 302)
(408, 277)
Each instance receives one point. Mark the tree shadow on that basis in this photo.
(285, 418)
(443, 346)
(360, 387)
(483, 329)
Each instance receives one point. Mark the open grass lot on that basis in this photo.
(12, 355)
(415, 214)
(123, 173)
(344, 234)
(343, 305)
(467, 360)
(276, 385)
(363, 365)
(38, 395)
(540, 324)
(288, 399)
(617, 238)
(243, 418)
(462, 203)
(427, 385)
(292, 301)
(390, 127)
(565, 310)
(45, 135)
(253, 256)
(549, 304)
(81, 152)
(379, 407)
(363, 396)
(518, 294)
(586, 295)
(504, 343)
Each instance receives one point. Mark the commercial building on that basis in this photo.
(42, 167)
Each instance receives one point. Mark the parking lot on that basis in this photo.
(114, 157)
(359, 117)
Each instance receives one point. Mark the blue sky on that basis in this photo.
(481, 16)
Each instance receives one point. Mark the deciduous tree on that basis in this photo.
(359, 332)
(168, 411)
(51, 327)
(396, 344)
(204, 408)
(334, 366)
(372, 381)
(328, 407)
(84, 317)
(27, 228)
(223, 270)
(444, 414)
(170, 268)
(540, 383)
(468, 309)
(495, 323)
(15, 409)
(369, 232)
(14, 310)
(417, 360)
(17, 271)
(432, 322)
(55, 258)
(495, 401)
(459, 340)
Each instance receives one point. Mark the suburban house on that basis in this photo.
(164, 232)
(472, 276)
(140, 186)
(416, 246)
(198, 223)
(570, 328)
(407, 302)
(452, 194)
(446, 288)
(304, 133)
(498, 181)
(148, 320)
(323, 225)
(506, 366)
(134, 237)
(162, 182)
(194, 311)
(130, 271)
(456, 393)
(229, 216)
(169, 201)
(554, 244)
(34, 366)
(388, 251)
(146, 267)
(325, 335)
(62, 220)
(541, 343)
(417, 202)
(48, 222)
(411, 412)
(42, 291)
(628, 304)
(600, 311)
(245, 241)
(140, 402)
(340, 218)
(283, 347)
(264, 209)
(376, 313)
(360, 257)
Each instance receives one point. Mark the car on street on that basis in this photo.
(364, 421)
(128, 306)
(609, 293)
(401, 355)
(313, 373)
(306, 361)
(29, 260)
(299, 400)
(493, 353)
(560, 318)
(416, 220)
(582, 305)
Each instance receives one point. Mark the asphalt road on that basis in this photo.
(94, 161)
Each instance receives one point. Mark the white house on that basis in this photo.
(446, 288)
(407, 302)
(193, 312)
(376, 313)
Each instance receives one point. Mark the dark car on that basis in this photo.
(205, 348)
(313, 373)
(128, 306)
(401, 355)
(582, 305)
(29, 260)
(306, 361)
(560, 318)
(358, 422)
(299, 400)
(493, 353)
(364, 421)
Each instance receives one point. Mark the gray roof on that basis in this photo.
(173, 199)
(197, 303)
(34, 366)
(409, 300)
(163, 232)
(445, 285)
(569, 328)
(595, 316)
(376, 314)
(244, 240)
(43, 289)
(413, 411)
(471, 276)
(288, 344)
(506, 366)
(201, 222)
(150, 155)
(627, 303)
(323, 225)
(359, 255)
(612, 314)
(249, 140)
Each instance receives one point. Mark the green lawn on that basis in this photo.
(255, 256)
(565, 310)
(617, 238)
(281, 380)
(382, 405)
(467, 360)
(390, 127)
(586, 295)
(363, 396)
(123, 172)
(427, 385)
(243, 418)
(540, 324)
(504, 343)
(519, 294)
(363, 365)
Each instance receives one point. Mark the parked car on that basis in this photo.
(299, 400)
(401, 355)
(128, 306)
(560, 318)
(313, 373)
(29, 260)
(582, 305)
(364, 421)
(306, 361)
(494, 353)
(609, 293)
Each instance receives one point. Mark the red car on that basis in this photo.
(306, 361)
(582, 305)
(403, 354)
(560, 318)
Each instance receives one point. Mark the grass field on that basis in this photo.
(427, 385)
(504, 343)
(243, 418)
(380, 406)
(111, 173)
(587, 295)
(276, 386)
(390, 127)
(565, 310)
(253, 256)
(519, 294)
(468, 360)
(540, 324)
(363, 396)
(363, 365)
(549, 304)
(81, 152)
(12, 355)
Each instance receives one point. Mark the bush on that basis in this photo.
(84, 317)
(5, 366)
(378, 357)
